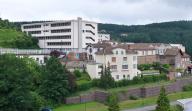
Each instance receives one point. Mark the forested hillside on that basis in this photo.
(12, 37)
(167, 32)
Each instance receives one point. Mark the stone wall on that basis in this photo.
(101, 96)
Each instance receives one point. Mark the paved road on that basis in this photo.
(146, 108)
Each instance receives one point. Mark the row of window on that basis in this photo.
(60, 30)
(32, 26)
(128, 77)
(55, 37)
(114, 67)
(90, 38)
(113, 59)
(58, 43)
(61, 24)
(89, 31)
(90, 25)
(34, 32)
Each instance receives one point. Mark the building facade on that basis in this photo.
(122, 63)
(68, 35)
(103, 37)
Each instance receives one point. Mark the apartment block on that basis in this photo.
(67, 35)
(121, 60)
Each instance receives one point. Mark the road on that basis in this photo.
(146, 108)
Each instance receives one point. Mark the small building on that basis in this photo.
(103, 37)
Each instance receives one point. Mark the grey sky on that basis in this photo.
(105, 11)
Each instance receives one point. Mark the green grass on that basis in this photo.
(94, 106)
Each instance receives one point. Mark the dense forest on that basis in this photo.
(167, 32)
(12, 37)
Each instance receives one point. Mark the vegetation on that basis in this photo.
(54, 84)
(167, 32)
(12, 37)
(163, 102)
(187, 87)
(141, 102)
(16, 92)
(106, 78)
(113, 103)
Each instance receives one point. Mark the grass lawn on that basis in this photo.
(94, 106)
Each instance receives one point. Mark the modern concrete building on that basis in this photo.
(68, 35)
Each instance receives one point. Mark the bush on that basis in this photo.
(77, 73)
(187, 88)
(133, 97)
(84, 86)
(95, 82)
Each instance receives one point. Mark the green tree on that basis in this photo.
(15, 85)
(54, 85)
(163, 102)
(113, 103)
(106, 78)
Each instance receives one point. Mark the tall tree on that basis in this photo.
(15, 85)
(113, 103)
(106, 78)
(55, 82)
(163, 102)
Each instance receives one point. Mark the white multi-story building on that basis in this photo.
(103, 37)
(121, 60)
(66, 35)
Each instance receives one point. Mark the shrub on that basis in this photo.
(133, 97)
(95, 82)
(77, 73)
(187, 88)
(84, 86)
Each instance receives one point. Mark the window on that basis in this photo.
(45, 31)
(90, 25)
(124, 66)
(116, 52)
(128, 77)
(134, 66)
(113, 59)
(60, 30)
(55, 37)
(37, 59)
(32, 26)
(58, 43)
(117, 76)
(134, 58)
(113, 67)
(61, 24)
(34, 32)
(124, 58)
(89, 31)
(90, 38)
(122, 52)
(123, 76)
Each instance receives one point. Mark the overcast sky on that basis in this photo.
(106, 11)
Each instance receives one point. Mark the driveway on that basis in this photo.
(146, 108)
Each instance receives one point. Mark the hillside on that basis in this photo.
(12, 37)
(167, 32)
